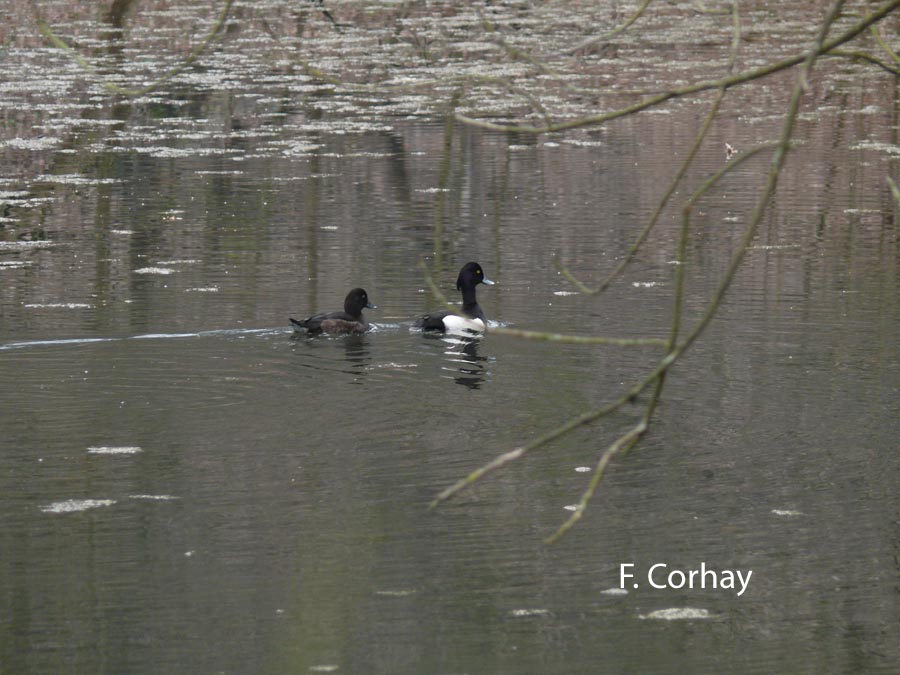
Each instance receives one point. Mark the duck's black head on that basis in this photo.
(356, 301)
(470, 276)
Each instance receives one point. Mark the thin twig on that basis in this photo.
(863, 56)
(736, 161)
(676, 180)
(695, 88)
(884, 45)
(514, 52)
(630, 438)
(627, 440)
(894, 189)
(552, 435)
(590, 42)
(778, 159)
(591, 415)
(579, 339)
(622, 444)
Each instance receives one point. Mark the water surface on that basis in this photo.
(186, 486)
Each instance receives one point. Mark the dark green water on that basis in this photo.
(260, 501)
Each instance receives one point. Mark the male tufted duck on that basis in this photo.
(351, 320)
(473, 317)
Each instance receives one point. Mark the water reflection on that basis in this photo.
(349, 354)
(142, 264)
(468, 366)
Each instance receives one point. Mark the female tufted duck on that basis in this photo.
(351, 320)
(473, 317)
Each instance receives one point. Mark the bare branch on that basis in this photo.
(695, 88)
(621, 445)
(590, 42)
(580, 339)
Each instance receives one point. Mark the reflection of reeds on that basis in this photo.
(48, 33)
(675, 346)
(726, 82)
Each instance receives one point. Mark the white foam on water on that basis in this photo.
(677, 614)
(75, 505)
(110, 450)
(154, 270)
(147, 336)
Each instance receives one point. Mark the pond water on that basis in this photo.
(187, 486)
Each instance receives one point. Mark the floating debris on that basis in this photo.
(158, 498)
(109, 450)
(300, 148)
(207, 289)
(76, 179)
(396, 594)
(154, 270)
(393, 365)
(565, 292)
(24, 245)
(530, 612)
(583, 143)
(75, 505)
(582, 469)
(40, 143)
(164, 152)
(18, 195)
(877, 145)
(677, 614)
(615, 591)
(58, 305)
(787, 512)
